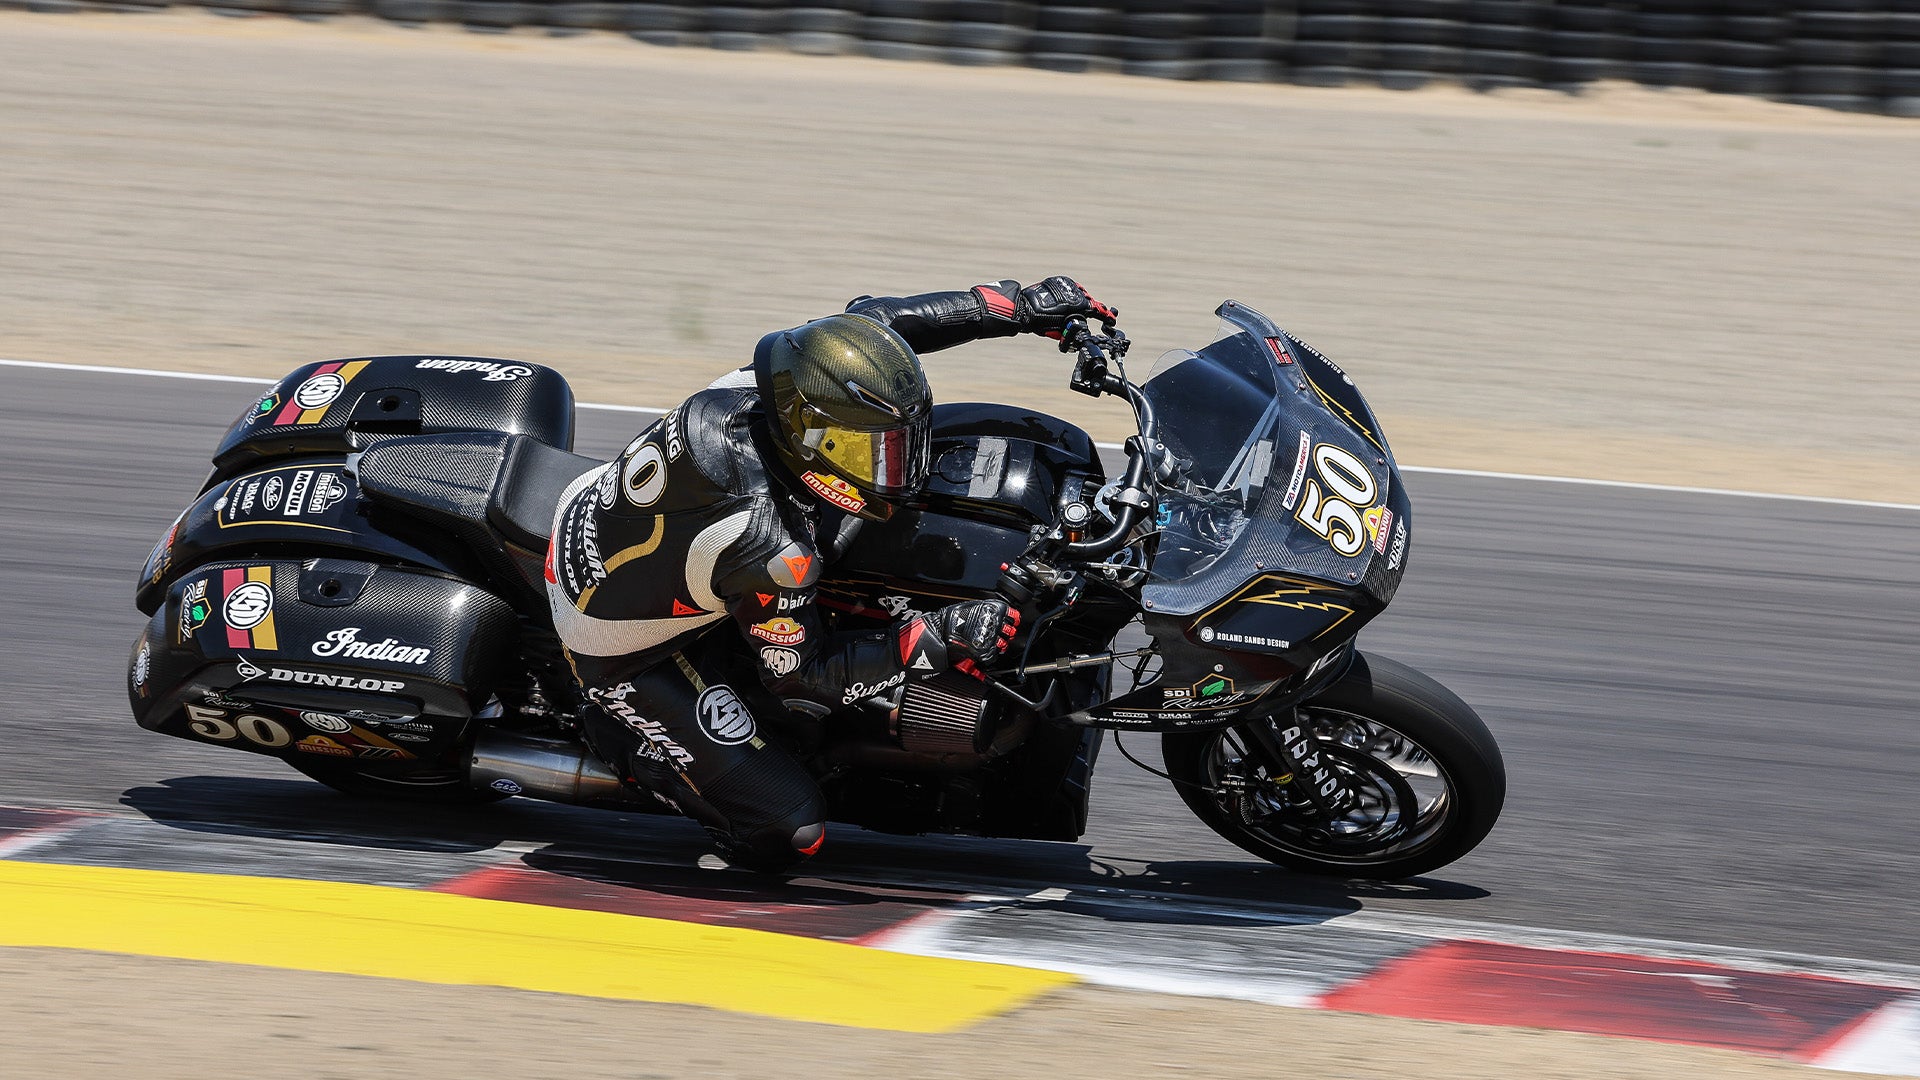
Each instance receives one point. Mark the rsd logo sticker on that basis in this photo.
(723, 718)
(247, 607)
(779, 659)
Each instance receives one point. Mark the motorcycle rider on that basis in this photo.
(728, 507)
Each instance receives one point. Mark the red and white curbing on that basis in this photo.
(1828, 1013)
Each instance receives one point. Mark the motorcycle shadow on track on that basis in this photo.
(649, 864)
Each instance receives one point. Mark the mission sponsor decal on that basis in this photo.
(1379, 524)
(722, 717)
(780, 631)
(313, 397)
(489, 371)
(834, 490)
(246, 605)
(320, 744)
(345, 642)
(289, 495)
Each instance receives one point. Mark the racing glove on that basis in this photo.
(969, 632)
(1043, 308)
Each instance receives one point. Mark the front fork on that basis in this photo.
(1299, 765)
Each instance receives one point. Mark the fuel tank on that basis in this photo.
(997, 472)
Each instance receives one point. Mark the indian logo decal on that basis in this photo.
(247, 607)
(311, 398)
(781, 631)
(834, 490)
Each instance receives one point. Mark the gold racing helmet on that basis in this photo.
(850, 411)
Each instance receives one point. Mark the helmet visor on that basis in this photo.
(891, 462)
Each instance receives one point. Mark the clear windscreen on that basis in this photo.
(1217, 410)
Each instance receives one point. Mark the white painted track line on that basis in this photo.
(1678, 489)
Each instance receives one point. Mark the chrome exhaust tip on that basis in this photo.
(553, 769)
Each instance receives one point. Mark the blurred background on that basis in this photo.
(1589, 267)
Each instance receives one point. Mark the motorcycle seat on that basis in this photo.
(496, 493)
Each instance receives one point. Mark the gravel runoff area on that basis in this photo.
(1633, 285)
(1655, 286)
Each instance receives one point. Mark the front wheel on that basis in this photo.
(1426, 774)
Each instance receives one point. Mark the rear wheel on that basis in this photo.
(1425, 773)
(444, 785)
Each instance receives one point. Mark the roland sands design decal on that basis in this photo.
(1338, 501)
(290, 495)
(1273, 590)
(309, 402)
(246, 607)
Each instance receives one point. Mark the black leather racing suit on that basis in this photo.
(696, 523)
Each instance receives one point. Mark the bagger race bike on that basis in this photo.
(359, 590)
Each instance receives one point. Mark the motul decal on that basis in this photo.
(246, 606)
(313, 397)
(834, 490)
(781, 631)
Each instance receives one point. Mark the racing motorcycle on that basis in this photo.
(358, 589)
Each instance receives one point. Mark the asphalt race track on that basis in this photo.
(1706, 701)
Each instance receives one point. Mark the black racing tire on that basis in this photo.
(1061, 42)
(440, 787)
(1234, 69)
(1076, 20)
(1074, 63)
(978, 35)
(1746, 80)
(821, 43)
(1436, 733)
(904, 31)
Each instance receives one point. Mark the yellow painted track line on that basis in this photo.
(459, 940)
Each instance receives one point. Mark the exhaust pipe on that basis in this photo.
(551, 769)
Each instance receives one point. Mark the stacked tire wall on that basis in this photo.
(1861, 55)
